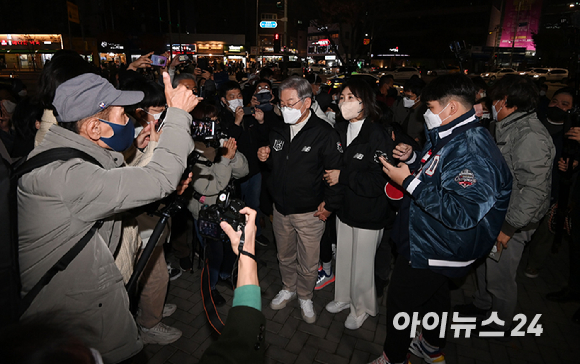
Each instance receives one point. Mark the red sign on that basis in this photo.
(323, 42)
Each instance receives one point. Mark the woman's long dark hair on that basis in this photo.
(362, 90)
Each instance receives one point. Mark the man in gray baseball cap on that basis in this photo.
(59, 202)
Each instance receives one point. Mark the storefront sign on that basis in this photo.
(268, 24)
(184, 48)
(323, 42)
(30, 41)
(109, 47)
(235, 49)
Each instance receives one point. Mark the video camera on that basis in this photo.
(225, 209)
(208, 132)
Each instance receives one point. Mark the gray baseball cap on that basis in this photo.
(87, 94)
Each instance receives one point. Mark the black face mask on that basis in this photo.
(556, 115)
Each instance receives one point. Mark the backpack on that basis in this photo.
(12, 305)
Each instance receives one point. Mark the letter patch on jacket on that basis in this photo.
(432, 166)
(306, 149)
(339, 147)
(465, 178)
(359, 156)
(278, 144)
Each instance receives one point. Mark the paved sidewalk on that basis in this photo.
(290, 340)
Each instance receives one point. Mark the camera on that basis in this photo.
(208, 132)
(226, 209)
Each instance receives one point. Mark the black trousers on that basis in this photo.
(328, 238)
(414, 290)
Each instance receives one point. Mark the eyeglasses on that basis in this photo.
(280, 105)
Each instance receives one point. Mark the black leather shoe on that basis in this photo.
(218, 299)
(470, 310)
(563, 295)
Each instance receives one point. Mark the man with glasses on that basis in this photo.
(300, 151)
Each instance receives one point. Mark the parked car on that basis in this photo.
(443, 71)
(338, 80)
(401, 73)
(498, 73)
(553, 75)
(294, 68)
(532, 71)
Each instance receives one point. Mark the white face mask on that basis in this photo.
(485, 115)
(23, 93)
(408, 103)
(350, 109)
(494, 111)
(433, 120)
(138, 130)
(233, 104)
(482, 94)
(542, 93)
(291, 115)
(318, 91)
(155, 116)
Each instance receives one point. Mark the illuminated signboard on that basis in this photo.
(183, 48)
(235, 48)
(209, 47)
(520, 24)
(268, 24)
(28, 41)
(323, 42)
(111, 46)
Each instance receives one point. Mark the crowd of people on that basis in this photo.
(365, 189)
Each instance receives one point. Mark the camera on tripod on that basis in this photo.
(226, 209)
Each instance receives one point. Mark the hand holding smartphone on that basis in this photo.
(158, 60)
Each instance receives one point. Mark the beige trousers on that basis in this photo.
(154, 281)
(298, 242)
(355, 268)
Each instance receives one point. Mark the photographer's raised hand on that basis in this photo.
(247, 267)
(179, 97)
(142, 62)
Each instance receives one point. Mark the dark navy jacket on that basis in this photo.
(459, 200)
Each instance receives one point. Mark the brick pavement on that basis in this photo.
(290, 340)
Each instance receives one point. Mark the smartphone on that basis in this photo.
(495, 253)
(248, 110)
(158, 60)
(183, 58)
(161, 121)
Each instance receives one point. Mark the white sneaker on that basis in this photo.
(355, 322)
(336, 307)
(159, 334)
(307, 309)
(381, 360)
(169, 309)
(281, 299)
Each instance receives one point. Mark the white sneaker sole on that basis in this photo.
(282, 304)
